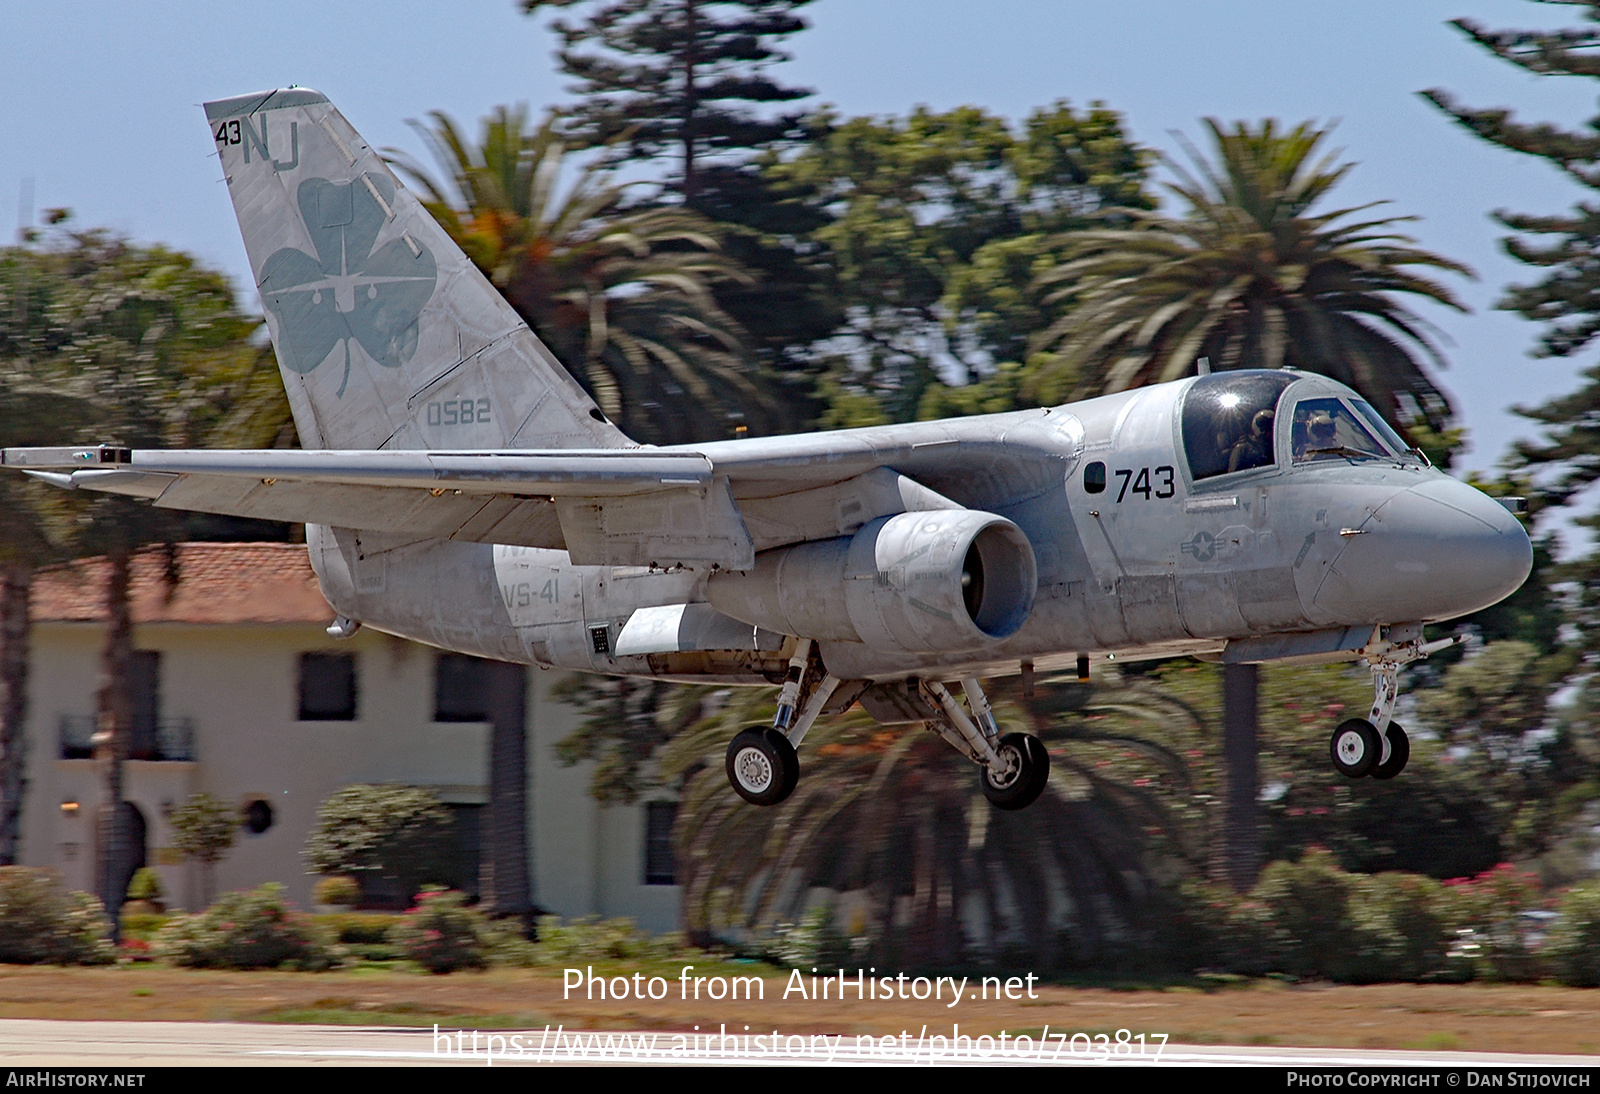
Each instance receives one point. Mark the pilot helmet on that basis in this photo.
(1320, 426)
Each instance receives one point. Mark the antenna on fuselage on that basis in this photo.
(1202, 366)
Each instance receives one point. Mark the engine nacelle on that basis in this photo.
(923, 582)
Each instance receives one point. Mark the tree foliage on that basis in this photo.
(205, 828)
(890, 825)
(624, 297)
(1252, 276)
(678, 78)
(933, 229)
(398, 833)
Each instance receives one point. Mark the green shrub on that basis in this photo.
(1573, 948)
(591, 938)
(358, 928)
(441, 934)
(507, 946)
(41, 922)
(256, 929)
(1402, 930)
(1308, 925)
(142, 925)
(816, 942)
(342, 892)
(1488, 914)
(401, 834)
(146, 885)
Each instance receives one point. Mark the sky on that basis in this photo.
(103, 110)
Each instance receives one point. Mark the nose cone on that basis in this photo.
(1436, 551)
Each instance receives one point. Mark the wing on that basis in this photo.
(718, 503)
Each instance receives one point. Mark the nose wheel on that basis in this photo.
(1358, 749)
(1375, 745)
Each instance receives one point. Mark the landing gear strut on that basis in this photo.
(1015, 767)
(762, 763)
(763, 767)
(1375, 745)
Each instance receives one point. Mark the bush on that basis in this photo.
(1402, 930)
(1309, 929)
(358, 928)
(1488, 911)
(146, 885)
(592, 939)
(339, 892)
(441, 934)
(816, 943)
(41, 922)
(400, 833)
(256, 929)
(1573, 948)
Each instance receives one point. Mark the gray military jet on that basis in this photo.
(460, 489)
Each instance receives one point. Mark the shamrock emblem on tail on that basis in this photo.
(348, 291)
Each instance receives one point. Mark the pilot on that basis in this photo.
(1254, 449)
(1321, 432)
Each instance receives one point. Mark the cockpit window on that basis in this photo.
(1380, 427)
(1228, 419)
(1327, 429)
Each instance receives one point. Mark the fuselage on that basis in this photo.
(1166, 520)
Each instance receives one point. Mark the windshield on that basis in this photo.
(1327, 429)
(1228, 420)
(1380, 427)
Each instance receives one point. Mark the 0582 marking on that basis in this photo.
(459, 412)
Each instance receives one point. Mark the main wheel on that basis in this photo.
(762, 766)
(1020, 780)
(1355, 748)
(1399, 753)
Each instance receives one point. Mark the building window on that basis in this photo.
(659, 867)
(327, 687)
(257, 816)
(460, 689)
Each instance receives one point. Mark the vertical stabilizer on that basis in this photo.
(387, 336)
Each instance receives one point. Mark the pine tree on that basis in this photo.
(671, 77)
(1567, 246)
(684, 83)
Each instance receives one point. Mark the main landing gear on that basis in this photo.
(1375, 745)
(764, 768)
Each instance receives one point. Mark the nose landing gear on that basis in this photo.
(1375, 745)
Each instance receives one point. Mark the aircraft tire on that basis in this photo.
(1028, 780)
(762, 766)
(1399, 753)
(1355, 748)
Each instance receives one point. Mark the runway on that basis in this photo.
(130, 1046)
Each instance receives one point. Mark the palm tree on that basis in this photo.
(1251, 277)
(892, 823)
(623, 296)
(160, 351)
(36, 407)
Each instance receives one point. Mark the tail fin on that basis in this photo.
(387, 336)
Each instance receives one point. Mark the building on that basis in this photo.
(241, 693)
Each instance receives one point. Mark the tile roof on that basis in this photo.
(218, 583)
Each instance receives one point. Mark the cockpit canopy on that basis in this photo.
(1228, 420)
(1230, 424)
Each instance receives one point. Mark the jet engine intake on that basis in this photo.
(932, 581)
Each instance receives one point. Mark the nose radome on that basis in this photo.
(1436, 551)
